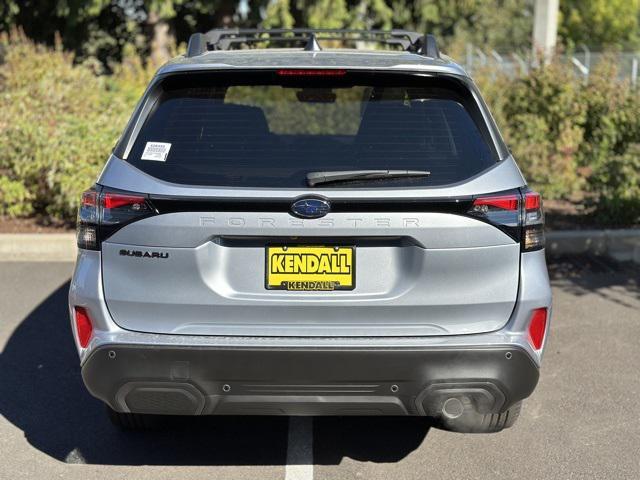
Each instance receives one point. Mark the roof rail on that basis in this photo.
(227, 38)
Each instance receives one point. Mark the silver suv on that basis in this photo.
(311, 231)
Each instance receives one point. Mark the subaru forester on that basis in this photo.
(298, 222)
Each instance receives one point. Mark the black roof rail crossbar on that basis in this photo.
(224, 39)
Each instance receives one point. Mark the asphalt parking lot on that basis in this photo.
(583, 421)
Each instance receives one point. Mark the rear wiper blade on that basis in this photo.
(318, 178)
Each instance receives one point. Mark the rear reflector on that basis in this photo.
(84, 329)
(312, 73)
(537, 327)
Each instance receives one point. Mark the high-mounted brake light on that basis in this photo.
(537, 327)
(312, 72)
(84, 328)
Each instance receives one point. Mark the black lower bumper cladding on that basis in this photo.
(306, 381)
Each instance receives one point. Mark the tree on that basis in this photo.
(104, 29)
(488, 23)
(89, 28)
(600, 22)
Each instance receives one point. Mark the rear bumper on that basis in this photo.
(187, 374)
(307, 381)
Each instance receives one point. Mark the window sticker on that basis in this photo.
(156, 151)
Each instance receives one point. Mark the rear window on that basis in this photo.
(269, 130)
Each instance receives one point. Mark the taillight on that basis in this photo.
(532, 222)
(503, 211)
(103, 213)
(120, 208)
(84, 328)
(537, 327)
(504, 202)
(88, 219)
(518, 215)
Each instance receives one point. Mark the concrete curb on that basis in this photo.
(623, 245)
(37, 247)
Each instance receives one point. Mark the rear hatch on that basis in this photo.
(233, 239)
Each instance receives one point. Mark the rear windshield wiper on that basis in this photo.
(318, 178)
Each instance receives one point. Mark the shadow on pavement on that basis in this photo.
(582, 274)
(41, 392)
(377, 439)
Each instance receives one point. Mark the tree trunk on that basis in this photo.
(223, 15)
(162, 39)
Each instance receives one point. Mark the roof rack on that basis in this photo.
(227, 38)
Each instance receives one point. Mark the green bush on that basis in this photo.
(573, 139)
(616, 188)
(540, 116)
(15, 199)
(59, 122)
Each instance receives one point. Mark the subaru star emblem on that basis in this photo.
(310, 208)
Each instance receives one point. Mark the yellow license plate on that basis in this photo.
(310, 268)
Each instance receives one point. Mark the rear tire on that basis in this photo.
(474, 422)
(132, 421)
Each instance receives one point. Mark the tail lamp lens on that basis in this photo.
(116, 200)
(87, 236)
(537, 327)
(533, 222)
(518, 215)
(87, 224)
(532, 201)
(101, 214)
(84, 328)
(503, 211)
(504, 202)
(120, 208)
(89, 206)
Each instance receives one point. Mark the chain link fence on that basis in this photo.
(583, 61)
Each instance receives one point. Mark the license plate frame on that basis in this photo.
(341, 260)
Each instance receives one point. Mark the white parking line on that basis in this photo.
(300, 449)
